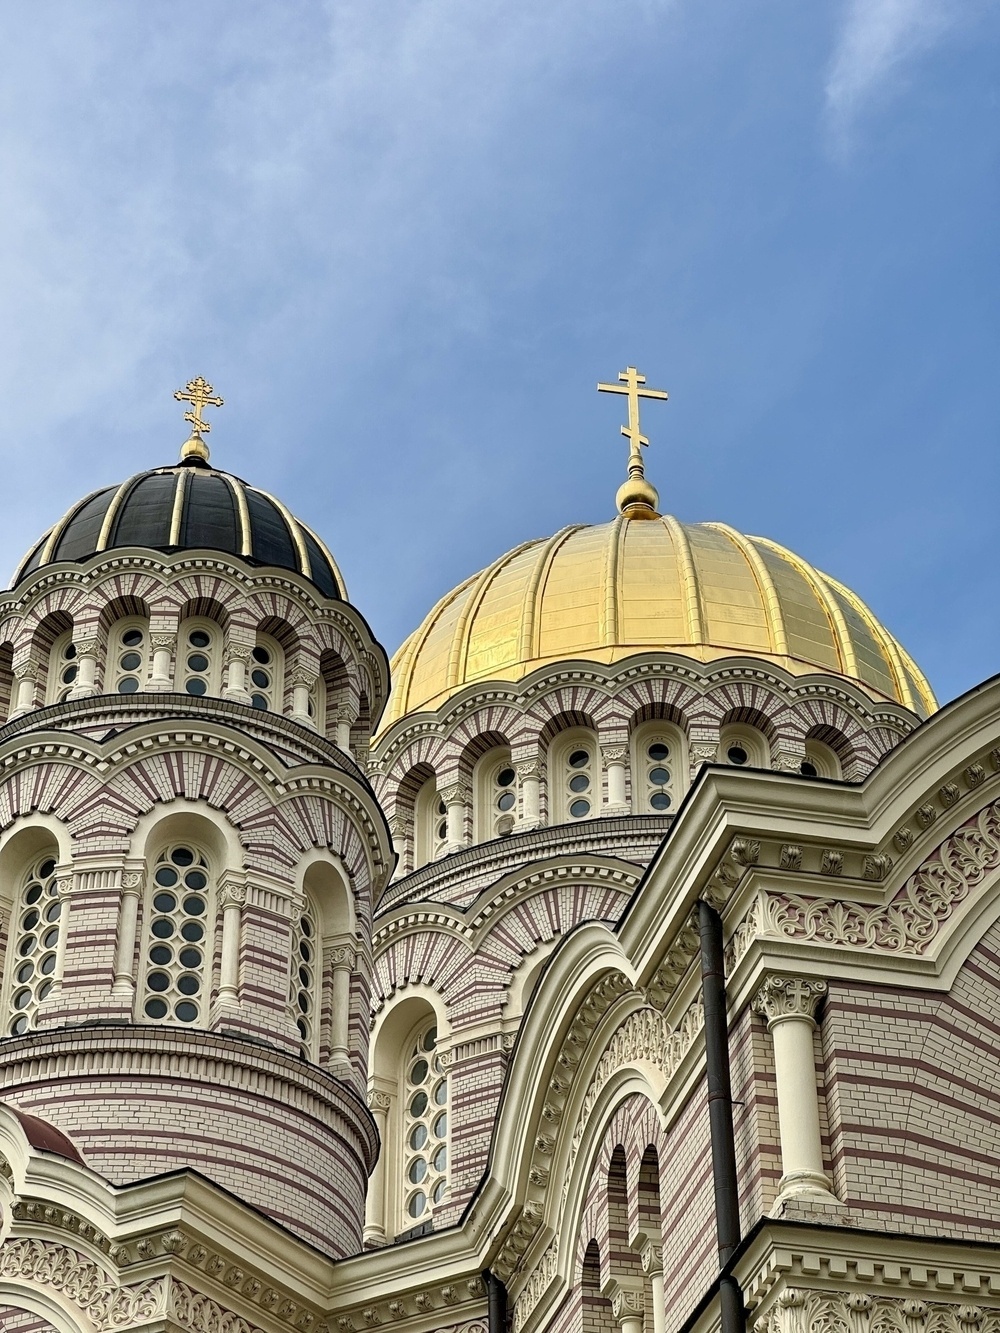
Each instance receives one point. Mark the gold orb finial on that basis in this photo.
(199, 393)
(636, 497)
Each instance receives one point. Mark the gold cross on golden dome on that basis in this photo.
(199, 394)
(636, 496)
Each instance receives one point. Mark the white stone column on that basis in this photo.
(64, 885)
(628, 1302)
(232, 898)
(529, 777)
(86, 675)
(401, 828)
(128, 920)
(615, 758)
(163, 646)
(341, 959)
(345, 721)
(789, 1004)
(236, 661)
(25, 678)
(380, 1104)
(651, 1249)
(456, 800)
(302, 684)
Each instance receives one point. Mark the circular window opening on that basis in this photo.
(197, 662)
(417, 1204)
(737, 755)
(808, 770)
(46, 869)
(660, 800)
(506, 801)
(131, 662)
(505, 777)
(155, 1008)
(196, 686)
(70, 652)
(659, 777)
(579, 809)
(132, 638)
(579, 759)
(128, 685)
(199, 638)
(579, 783)
(658, 751)
(258, 701)
(261, 679)
(186, 1011)
(69, 675)
(261, 655)
(164, 902)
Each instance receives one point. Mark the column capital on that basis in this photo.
(458, 793)
(614, 753)
(342, 956)
(528, 768)
(781, 998)
(628, 1301)
(163, 642)
(232, 895)
(86, 647)
(26, 671)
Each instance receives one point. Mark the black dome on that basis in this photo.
(188, 507)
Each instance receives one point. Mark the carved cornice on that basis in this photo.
(908, 924)
(94, 1291)
(799, 1310)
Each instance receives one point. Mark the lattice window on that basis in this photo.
(657, 769)
(198, 658)
(304, 993)
(575, 777)
(266, 675)
(63, 669)
(496, 796)
(425, 1128)
(128, 650)
(176, 937)
(34, 943)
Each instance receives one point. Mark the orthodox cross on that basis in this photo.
(631, 385)
(199, 394)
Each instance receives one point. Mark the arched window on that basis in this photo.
(744, 747)
(430, 824)
(128, 656)
(307, 962)
(659, 768)
(267, 674)
(821, 761)
(425, 1127)
(33, 954)
(178, 915)
(63, 668)
(574, 777)
(199, 657)
(495, 802)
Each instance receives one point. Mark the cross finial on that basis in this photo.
(636, 498)
(199, 394)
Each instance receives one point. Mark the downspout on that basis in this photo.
(720, 1113)
(496, 1303)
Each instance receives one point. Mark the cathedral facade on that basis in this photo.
(625, 959)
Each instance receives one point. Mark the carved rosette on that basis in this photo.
(232, 895)
(781, 998)
(458, 793)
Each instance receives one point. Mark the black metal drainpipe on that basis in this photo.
(720, 1112)
(496, 1302)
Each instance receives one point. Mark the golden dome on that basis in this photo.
(607, 592)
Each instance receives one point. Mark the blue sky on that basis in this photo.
(405, 238)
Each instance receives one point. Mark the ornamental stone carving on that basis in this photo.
(800, 1311)
(232, 895)
(165, 642)
(238, 652)
(457, 794)
(528, 768)
(789, 997)
(911, 920)
(106, 1304)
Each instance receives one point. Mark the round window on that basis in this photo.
(261, 655)
(128, 685)
(164, 902)
(660, 800)
(196, 686)
(659, 777)
(69, 675)
(506, 801)
(579, 782)
(155, 1008)
(131, 662)
(658, 751)
(579, 809)
(808, 770)
(261, 679)
(258, 701)
(505, 777)
(186, 1011)
(579, 759)
(199, 638)
(417, 1171)
(132, 638)
(197, 662)
(737, 755)
(417, 1204)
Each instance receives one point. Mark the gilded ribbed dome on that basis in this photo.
(190, 506)
(606, 592)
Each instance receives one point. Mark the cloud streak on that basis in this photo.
(876, 41)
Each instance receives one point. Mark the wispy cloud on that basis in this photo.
(876, 40)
